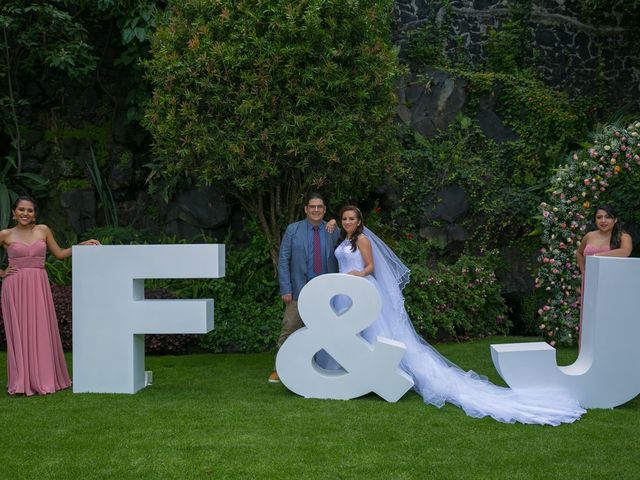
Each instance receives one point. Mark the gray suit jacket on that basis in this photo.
(292, 263)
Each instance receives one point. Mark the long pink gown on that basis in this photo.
(588, 250)
(35, 360)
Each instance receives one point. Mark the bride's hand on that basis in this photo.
(356, 273)
(331, 225)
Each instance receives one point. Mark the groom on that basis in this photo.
(306, 251)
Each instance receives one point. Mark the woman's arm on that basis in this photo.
(52, 245)
(626, 245)
(55, 249)
(580, 252)
(3, 243)
(364, 245)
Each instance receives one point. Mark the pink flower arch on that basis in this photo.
(576, 188)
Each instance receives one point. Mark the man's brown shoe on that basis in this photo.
(274, 378)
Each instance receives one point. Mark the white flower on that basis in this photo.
(607, 148)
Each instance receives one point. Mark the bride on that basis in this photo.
(437, 380)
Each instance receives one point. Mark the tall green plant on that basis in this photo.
(101, 185)
(272, 98)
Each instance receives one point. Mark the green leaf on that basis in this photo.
(5, 206)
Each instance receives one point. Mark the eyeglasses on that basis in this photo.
(315, 207)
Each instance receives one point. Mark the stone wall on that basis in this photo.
(567, 50)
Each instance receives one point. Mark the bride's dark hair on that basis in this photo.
(359, 228)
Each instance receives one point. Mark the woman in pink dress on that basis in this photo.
(609, 240)
(35, 361)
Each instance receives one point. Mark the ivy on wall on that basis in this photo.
(505, 180)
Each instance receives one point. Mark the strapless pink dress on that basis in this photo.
(35, 360)
(588, 250)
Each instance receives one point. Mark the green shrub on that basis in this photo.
(247, 306)
(454, 301)
(271, 98)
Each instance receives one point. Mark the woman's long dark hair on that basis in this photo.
(359, 228)
(617, 231)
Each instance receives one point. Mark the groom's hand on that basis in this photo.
(287, 298)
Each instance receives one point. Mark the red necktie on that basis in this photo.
(317, 252)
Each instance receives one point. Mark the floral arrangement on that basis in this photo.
(576, 189)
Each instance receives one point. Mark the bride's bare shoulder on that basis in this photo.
(363, 240)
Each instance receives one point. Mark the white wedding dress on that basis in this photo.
(437, 379)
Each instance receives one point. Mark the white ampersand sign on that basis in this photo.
(366, 367)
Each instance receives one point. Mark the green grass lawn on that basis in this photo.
(215, 416)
